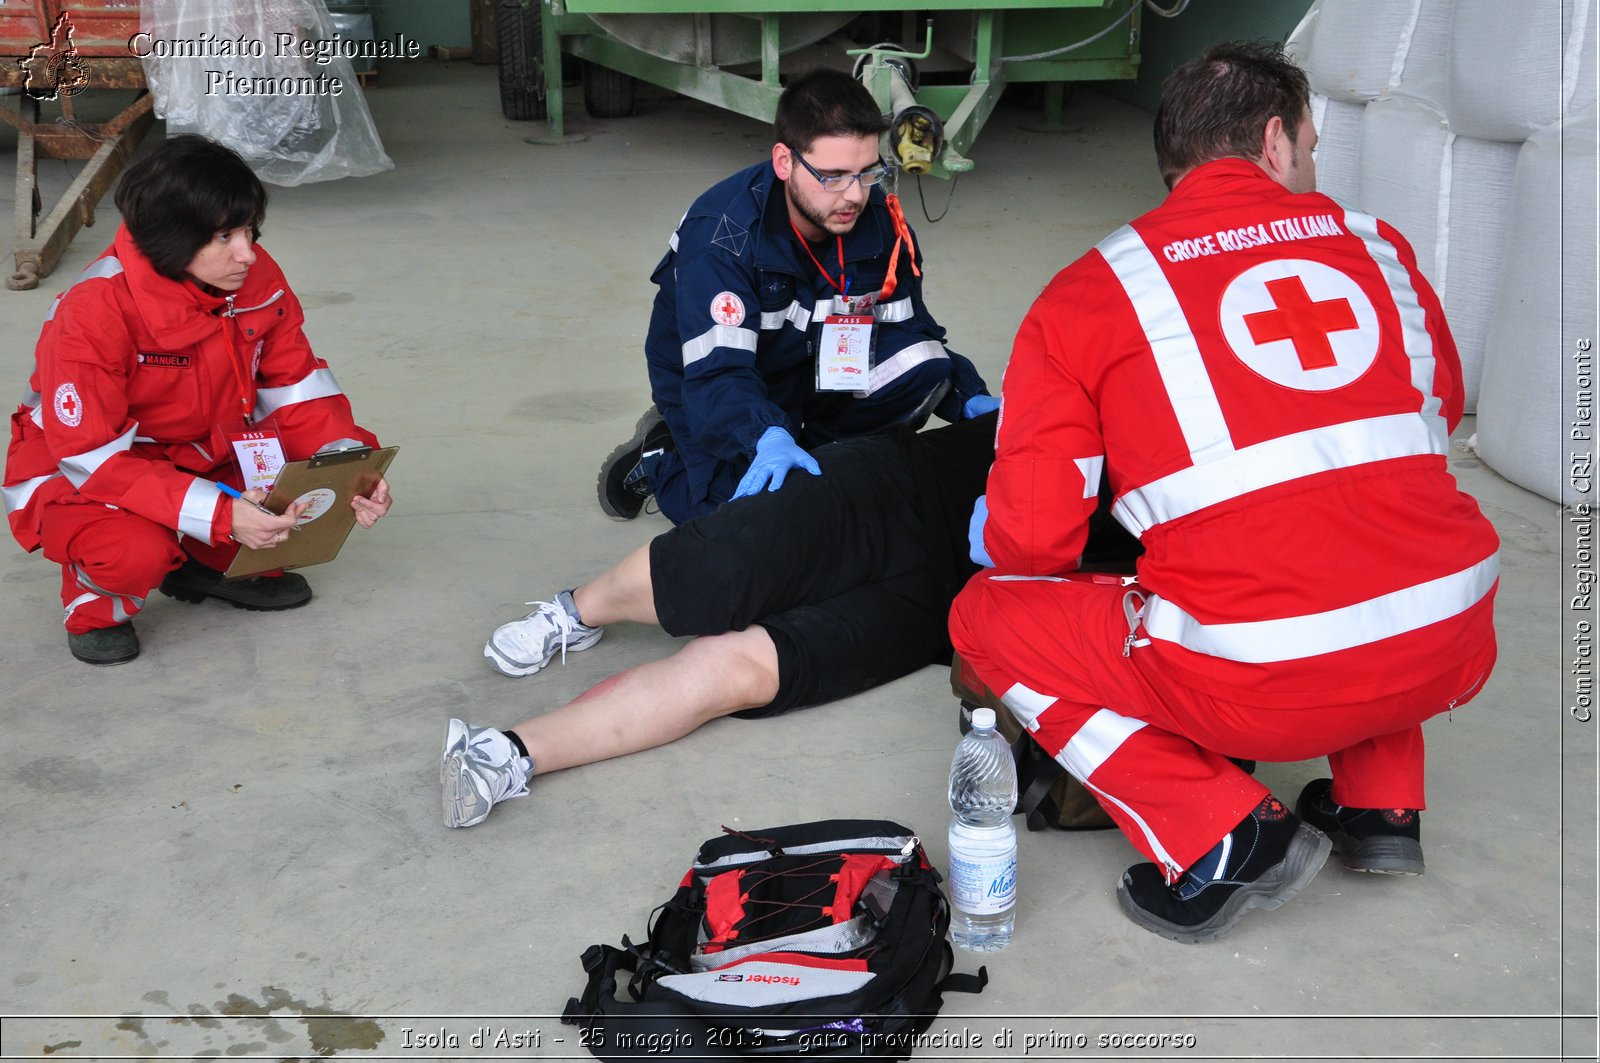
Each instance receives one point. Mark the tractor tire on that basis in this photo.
(607, 93)
(517, 28)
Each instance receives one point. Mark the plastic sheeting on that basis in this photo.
(293, 114)
(1529, 399)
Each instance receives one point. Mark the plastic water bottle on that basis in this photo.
(983, 841)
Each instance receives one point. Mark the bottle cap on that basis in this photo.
(983, 719)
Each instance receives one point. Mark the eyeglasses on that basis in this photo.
(838, 182)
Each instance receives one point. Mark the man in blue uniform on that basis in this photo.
(789, 314)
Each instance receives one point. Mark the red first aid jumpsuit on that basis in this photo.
(138, 381)
(1270, 385)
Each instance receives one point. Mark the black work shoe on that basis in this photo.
(623, 486)
(1383, 841)
(194, 582)
(105, 645)
(1268, 858)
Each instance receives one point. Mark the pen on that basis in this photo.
(233, 492)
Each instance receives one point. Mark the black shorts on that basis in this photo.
(834, 567)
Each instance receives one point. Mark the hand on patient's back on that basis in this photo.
(776, 455)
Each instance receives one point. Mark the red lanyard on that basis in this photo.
(842, 285)
(238, 371)
(902, 236)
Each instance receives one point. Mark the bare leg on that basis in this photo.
(621, 592)
(658, 702)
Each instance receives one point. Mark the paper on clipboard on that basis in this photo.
(327, 483)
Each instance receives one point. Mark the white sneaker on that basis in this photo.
(481, 766)
(524, 646)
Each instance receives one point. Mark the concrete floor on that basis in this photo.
(232, 845)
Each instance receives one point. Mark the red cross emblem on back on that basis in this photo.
(1302, 321)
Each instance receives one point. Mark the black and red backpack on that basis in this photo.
(818, 938)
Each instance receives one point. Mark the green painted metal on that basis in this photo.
(1010, 28)
(741, 95)
(667, 7)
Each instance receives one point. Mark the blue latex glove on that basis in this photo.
(980, 516)
(776, 454)
(979, 405)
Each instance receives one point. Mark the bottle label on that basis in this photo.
(983, 886)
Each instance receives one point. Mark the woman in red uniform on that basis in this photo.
(174, 362)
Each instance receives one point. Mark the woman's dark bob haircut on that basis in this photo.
(179, 196)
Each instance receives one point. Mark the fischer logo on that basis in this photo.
(773, 979)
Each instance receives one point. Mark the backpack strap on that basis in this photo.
(965, 983)
(1038, 782)
(619, 1030)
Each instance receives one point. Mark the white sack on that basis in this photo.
(1471, 243)
(1405, 166)
(1515, 68)
(1361, 49)
(1338, 151)
(1529, 397)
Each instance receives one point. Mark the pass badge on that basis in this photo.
(844, 353)
(260, 456)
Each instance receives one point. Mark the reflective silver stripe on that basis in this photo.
(1029, 579)
(1099, 737)
(1413, 321)
(99, 269)
(891, 313)
(317, 384)
(1177, 355)
(1092, 744)
(891, 846)
(1026, 704)
(795, 314)
(235, 311)
(908, 358)
(740, 339)
(72, 606)
(37, 416)
(199, 506)
(18, 496)
(89, 585)
(80, 467)
(1294, 638)
(1275, 461)
(1091, 469)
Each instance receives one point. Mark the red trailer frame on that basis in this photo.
(52, 51)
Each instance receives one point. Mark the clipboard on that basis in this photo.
(328, 482)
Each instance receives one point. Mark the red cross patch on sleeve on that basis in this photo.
(727, 309)
(68, 407)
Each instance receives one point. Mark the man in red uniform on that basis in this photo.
(170, 358)
(1268, 382)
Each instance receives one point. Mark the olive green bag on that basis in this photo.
(1047, 796)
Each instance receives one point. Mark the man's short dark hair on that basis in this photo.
(826, 103)
(176, 198)
(1218, 106)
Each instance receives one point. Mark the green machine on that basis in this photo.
(937, 67)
